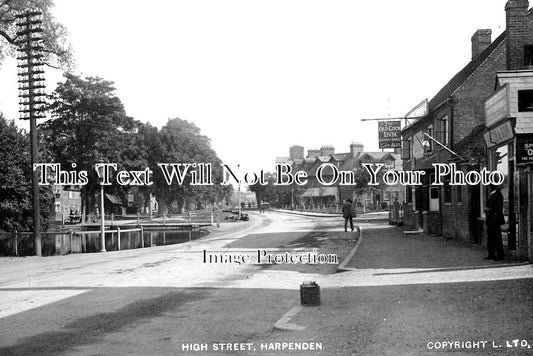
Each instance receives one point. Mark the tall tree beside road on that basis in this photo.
(56, 48)
(15, 181)
(89, 125)
(182, 142)
(265, 193)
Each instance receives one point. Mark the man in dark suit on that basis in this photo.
(494, 221)
(347, 214)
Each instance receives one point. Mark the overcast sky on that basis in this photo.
(260, 76)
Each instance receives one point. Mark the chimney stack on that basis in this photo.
(296, 152)
(313, 153)
(516, 15)
(480, 40)
(355, 148)
(327, 150)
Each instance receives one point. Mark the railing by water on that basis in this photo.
(78, 241)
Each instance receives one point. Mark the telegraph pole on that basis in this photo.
(31, 93)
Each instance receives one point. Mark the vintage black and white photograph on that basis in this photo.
(266, 177)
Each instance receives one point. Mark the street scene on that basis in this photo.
(397, 294)
(266, 177)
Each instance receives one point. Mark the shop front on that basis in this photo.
(509, 142)
(500, 148)
(523, 195)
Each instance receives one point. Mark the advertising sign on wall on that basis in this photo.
(524, 149)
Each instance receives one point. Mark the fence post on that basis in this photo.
(138, 218)
(212, 213)
(142, 236)
(16, 243)
(71, 233)
(118, 238)
(164, 217)
(218, 218)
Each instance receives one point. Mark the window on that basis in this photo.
(528, 55)
(409, 194)
(443, 130)
(447, 190)
(434, 204)
(429, 131)
(406, 149)
(459, 192)
(389, 164)
(525, 100)
(58, 207)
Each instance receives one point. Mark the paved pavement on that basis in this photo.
(388, 247)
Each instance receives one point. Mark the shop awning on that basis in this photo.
(114, 199)
(321, 192)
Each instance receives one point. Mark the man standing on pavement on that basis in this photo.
(347, 214)
(494, 221)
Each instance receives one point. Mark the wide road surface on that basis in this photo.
(166, 301)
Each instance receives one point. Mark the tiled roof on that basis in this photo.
(458, 80)
(465, 73)
(471, 145)
(283, 159)
(327, 170)
(320, 192)
(341, 156)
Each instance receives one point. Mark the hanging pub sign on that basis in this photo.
(524, 149)
(389, 134)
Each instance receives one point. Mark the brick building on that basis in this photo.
(456, 118)
(67, 202)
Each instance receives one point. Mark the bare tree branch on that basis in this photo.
(51, 66)
(5, 3)
(7, 37)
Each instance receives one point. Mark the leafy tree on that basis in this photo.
(89, 125)
(265, 193)
(54, 34)
(15, 181)
(180, 141)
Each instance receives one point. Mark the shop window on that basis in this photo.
(525, 100)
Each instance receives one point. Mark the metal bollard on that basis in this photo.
(310, 294)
